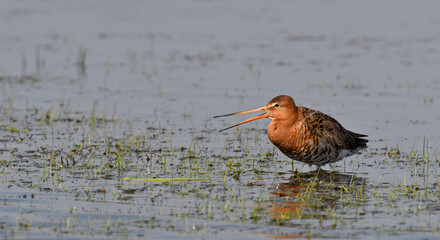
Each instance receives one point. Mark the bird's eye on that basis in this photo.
(276, 105)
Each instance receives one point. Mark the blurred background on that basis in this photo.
(372, 65)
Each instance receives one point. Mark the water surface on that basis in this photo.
(94, 93)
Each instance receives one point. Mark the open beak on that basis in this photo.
(264, 115)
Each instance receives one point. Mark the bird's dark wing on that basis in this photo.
(329, 132)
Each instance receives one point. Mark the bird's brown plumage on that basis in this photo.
(305, 134)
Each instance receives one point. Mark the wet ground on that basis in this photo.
(107, 131)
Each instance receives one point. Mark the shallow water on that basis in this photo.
(95, 95)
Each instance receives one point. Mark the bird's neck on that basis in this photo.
(281, 129)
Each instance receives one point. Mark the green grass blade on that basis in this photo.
(166, 179)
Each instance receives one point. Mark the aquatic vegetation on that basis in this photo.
(106, 126)
(168, 186)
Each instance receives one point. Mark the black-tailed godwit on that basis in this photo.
(304, 134)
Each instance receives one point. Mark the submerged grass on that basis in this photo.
(154, 178)
(166, 179)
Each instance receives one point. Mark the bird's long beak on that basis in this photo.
(264, 115)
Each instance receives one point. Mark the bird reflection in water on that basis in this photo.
(314, 195)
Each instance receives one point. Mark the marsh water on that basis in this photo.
(107, 130)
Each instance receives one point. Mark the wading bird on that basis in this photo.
(304, 134)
